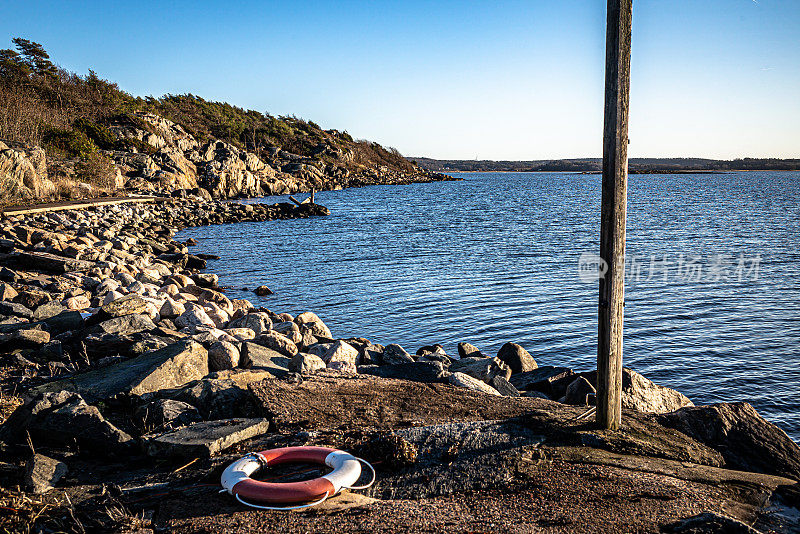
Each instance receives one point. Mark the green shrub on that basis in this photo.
(100, 135)
(71, 142)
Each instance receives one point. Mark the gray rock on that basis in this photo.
(255, 355)
(63, 416)
(218, 398)
(517, 358)
(341, 356)
(552, 381)
(15, 309)
(503, 386)
(467, 350)
(171, 309)
(466, 381)
(206, 280)
(172, 366)
(746, 440)
(257, 322)
(48, 310)
(29, 338)
(639, 393)
(223, 355)
(578, 392)
(305, 363)
(42, 473)
(290, 330)
(194, 316)
(128, 305)
(314, 324)
(422, 371)
(394, 354)
(162, 413)
(372, 354)
(125, 325)
(50, 262)
(481, 368)
(277, 342)
(202, 440)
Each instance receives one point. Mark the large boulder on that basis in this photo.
(257, 356)
(340, 356)
(223, 355)
(258, 322)
(277, 342)
(170, 367)
(394, 354)
(306, 363)
(552, 381)
(128, 305)
(122, 326)
(639, 393)
(746, 440)
(466, 381)
(517, 358)
(310, 321)
(481, 368)
(23, 172)
(61, 417)
(468, 350)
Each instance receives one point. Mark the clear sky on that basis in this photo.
(492, 80)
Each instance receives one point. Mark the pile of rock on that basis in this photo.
(118, 342)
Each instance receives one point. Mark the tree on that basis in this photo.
(34, 56)
(12, 68)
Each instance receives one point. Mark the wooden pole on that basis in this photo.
(613, 211)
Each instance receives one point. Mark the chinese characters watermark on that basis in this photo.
(681, 267)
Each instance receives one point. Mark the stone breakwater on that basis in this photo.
(114, 343)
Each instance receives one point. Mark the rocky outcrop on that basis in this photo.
(23, 172)
(639, 393)
(746, 440)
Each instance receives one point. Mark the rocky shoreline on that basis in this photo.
(126, 372)
(154, 155)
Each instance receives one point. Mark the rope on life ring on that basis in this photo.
(236, 479)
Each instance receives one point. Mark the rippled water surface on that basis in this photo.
(494, 258)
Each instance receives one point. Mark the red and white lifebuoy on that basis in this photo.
(346, 471)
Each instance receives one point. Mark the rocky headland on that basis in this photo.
(148, 154)
(129, 380)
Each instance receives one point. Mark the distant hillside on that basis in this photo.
(635, 165)
(62, 135)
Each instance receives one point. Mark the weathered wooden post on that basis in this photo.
(613, 211)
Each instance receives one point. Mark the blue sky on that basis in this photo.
(492, 80)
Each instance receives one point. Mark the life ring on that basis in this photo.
(346, 471)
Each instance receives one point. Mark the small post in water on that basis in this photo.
(613, 212)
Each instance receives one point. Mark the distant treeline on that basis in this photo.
(635, 165)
